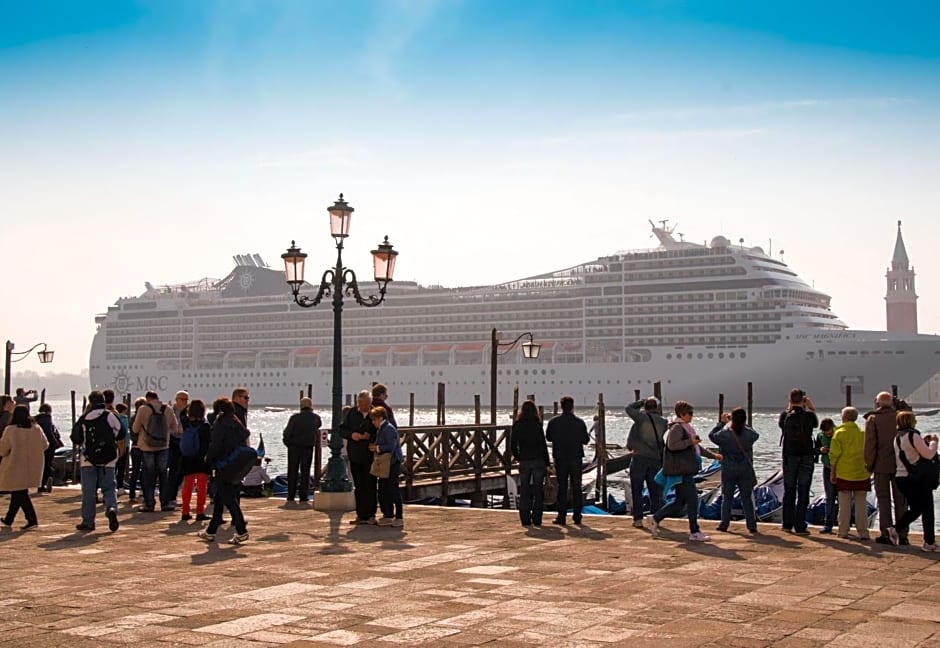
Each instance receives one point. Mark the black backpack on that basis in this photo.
(156, 426)
(797, 434)
(924, 471)
(98, 439)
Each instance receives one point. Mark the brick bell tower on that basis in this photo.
(900, 299)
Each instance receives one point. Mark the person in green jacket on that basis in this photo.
(827, 428)
(849, 474)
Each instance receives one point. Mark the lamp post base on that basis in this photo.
(327, 501)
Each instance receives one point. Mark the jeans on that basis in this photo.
(643, 470)
(569, 471)
(686, 495)
(737, 475)
(886, 489)
(120, 469)
(365, 489)
(19, 499)
(201, 482)
(389, 494)
(299, 459)
(831, 499)
(152, 473)
(797, 477)
(47, 466)
(919, 502)
(531, 490)
(137, 459)
(93, 478)
(226, 496)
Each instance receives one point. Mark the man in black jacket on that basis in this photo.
(359, 432)
(568, 435)
(301, 435)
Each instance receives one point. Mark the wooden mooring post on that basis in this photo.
(721, 406)
(74, 447)
(848, 395)
(750, 403)
(657, 391)
(515, 402)
(636, 395)
(600, 451)
(411, 409)
(42, 396)
(476, 409)
(441, 416)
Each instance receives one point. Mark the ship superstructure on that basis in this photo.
(700, 318)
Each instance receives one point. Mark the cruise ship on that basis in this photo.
(701, 319)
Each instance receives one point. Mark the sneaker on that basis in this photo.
(113, 523)
(6, 523)
(722, 529)
(371, 521)
(144, 509)
(826, 530)
(386, 521)
(930, 547)
(654, 526)
(698, 536)
(167, 508)
(186, 517)
(202, 517)
(239, 538)
(356, 521)
(638, 524)
(398, 523)
(84, 527)
(802, 532)
(32, 525)
(883, 539)
(204, 535)
(559, 522)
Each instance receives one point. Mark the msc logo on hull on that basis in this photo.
(123, 383)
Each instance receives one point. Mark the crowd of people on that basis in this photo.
(173, 451)
(665, 457)
(170, 452)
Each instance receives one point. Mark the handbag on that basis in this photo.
(926, 472)
(681, 462)
(381, 465)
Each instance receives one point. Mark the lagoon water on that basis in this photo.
(269, 426)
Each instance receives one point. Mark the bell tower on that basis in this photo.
(900, 298)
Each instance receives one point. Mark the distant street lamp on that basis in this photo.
(336, 282)
(530, 351)
(45, 357)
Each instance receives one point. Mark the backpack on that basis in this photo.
(926, 472)
(155, 431)
(98, 439)
(189, 442)
(797, 439)
(233, 467)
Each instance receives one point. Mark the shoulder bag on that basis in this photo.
(925, 472)
(680, 462)
(381, 465)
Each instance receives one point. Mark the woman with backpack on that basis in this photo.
(228, 445)
(23, 448)
(194, 444)
(910, 449)
(735, 440)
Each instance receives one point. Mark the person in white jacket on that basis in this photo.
(909, 449)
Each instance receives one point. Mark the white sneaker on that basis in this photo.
(654, 526)
(699, 537)
(931, 547)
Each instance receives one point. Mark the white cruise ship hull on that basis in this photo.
(821, 363)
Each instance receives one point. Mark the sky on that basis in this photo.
(490, 140)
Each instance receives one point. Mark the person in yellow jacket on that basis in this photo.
(849, 474)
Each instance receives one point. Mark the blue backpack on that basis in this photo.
(189, 442)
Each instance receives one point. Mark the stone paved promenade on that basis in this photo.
(451, 577)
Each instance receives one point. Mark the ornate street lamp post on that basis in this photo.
(45, 356)
(337, 282)
(530, 351)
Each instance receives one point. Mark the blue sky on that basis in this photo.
(554, 129)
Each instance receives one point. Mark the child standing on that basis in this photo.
(823, 442)
(195, 469)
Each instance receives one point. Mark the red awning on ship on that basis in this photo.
(378, 348)
(437, 347)
(471, 346)
(307, 351)
(406, 348)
